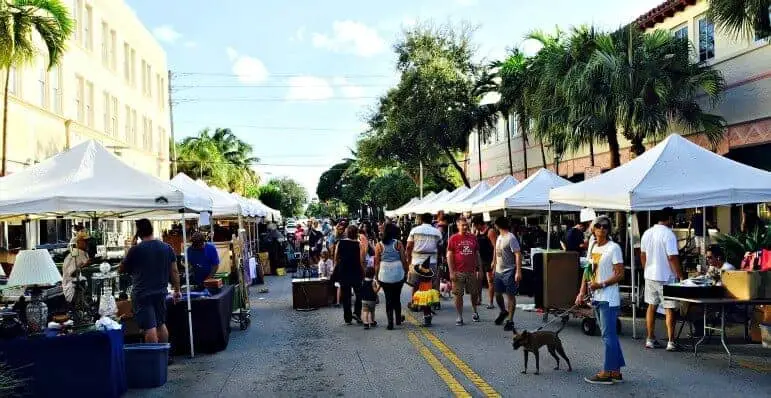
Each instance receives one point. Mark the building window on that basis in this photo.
(114, 116)
(13, 81)
(514, 126)
(126, 62)
(105, 45)
(77, 19)
(89, 104)
(681, 33)
(706, 40)
(133, 68)
(106, 110)
(127, 132)
(80, 99)
(43, 82)
(144, 77)
(113, 50)
(149, 84)
(88, 28)
(134, 140)
(162, 94)
(55, 82)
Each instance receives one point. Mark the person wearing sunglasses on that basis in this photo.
(606, 272)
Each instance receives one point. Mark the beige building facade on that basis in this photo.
(111, 86)
(746, 106)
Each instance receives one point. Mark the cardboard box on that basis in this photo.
(743, 285)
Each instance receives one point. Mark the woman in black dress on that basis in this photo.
(349, 272)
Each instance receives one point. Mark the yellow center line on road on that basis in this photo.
(464, 368)
(455, 387)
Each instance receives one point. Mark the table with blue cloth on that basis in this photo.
(88, 364)
(211, 322)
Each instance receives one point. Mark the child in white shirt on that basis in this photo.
(325, 265)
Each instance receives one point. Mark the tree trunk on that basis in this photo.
(613, 147)
(442, 179)
(591, 152)
(508, 142)
(524, 151)
(543, 154)
(4, 167)
(479, 153)
(460, 169)
(638, 148)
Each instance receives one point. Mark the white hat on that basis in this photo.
(587, 214)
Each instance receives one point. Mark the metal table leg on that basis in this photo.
(703, 333)
(722, 333)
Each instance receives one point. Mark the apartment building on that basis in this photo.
(111, 86)
(746, 106)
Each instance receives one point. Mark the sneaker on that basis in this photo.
(400, 320)
(366, 326)
(501, 317)
(390, 326)
(672, 346)
(475, 317)
(600, 378)
(509, 326)
(373, 324)
(490, 307)
(617, 377)
(650, 344)
(459, 321)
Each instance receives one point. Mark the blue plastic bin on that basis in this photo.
(146, 364)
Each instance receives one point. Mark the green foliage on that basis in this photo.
(744, 18)
(271, 196)
(218, 157)
(332, 209)
(391, 189)
(329, 185)
(735, 245)
(293, 196)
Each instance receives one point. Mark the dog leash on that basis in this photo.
(559, 316)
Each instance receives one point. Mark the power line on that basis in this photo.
(345, 76)
(273, 99)
(280, 128)
(189, 86)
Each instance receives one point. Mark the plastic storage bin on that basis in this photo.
(146, 364)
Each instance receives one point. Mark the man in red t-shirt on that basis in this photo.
(463, 260)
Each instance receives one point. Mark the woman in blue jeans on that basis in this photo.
(602, 279)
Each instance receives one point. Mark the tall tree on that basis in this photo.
(513, 72)
(22, 23)
(293, 196)
(742, 17)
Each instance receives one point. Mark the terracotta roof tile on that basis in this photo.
(661, 12)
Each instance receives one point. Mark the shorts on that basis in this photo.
(413, 278)
(368, 305)
(654, 294)
(504, 282)
(487, 267)
(465, 282)
(150, 311)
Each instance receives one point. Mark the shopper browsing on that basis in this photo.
(369, 289)
(203, 259)
(607, 270)
(660, 261)
(422, 245)
(463, 262)
(508, 272)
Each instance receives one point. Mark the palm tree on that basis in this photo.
(238, 154)
(199, 157)
(513, 72)
(742, 17)
(21, 23)
(655, 85)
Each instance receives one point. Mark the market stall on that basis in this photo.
(424, 206)
(473, 192)
(405, 210)
(396, 212)
(505, 184)
(675, 173)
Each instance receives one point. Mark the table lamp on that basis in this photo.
(35, 268)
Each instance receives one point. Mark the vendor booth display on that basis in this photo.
(675, 173)
(210, 321)
(460, 203)
(505, 184)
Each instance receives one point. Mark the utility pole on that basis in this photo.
(421, 180)
(173, 145)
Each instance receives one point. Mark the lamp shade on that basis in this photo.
(34, 267)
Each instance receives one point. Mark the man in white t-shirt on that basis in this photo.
(422, 244)
(659, 256)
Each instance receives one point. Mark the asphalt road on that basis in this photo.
(286, 353)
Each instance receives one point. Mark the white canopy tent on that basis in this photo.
(530, 194)
(404, 210)
(88, 181)
(271, 214)
(438, 205)
(505, 184)
(223, 205)
(425, 206)
(675, 173)
(394, 212)
(471, 193)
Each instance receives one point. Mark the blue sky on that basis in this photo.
(295, 78)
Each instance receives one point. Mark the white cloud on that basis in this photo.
(347, 90)
(351, 37)
(167, 34)
(299, 34)
(248, 69)
(309, 88)
(191, 44)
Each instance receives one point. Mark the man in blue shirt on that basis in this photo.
(203, 259)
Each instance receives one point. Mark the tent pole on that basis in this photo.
(706, 235)
(634, 296)
(187, 282)
(548, 229)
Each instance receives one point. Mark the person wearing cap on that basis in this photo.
(75, 260)
(203, 259)
(602, 278)
(422, 247)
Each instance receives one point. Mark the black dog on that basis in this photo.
(533, 341)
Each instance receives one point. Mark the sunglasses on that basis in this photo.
(602, 226)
